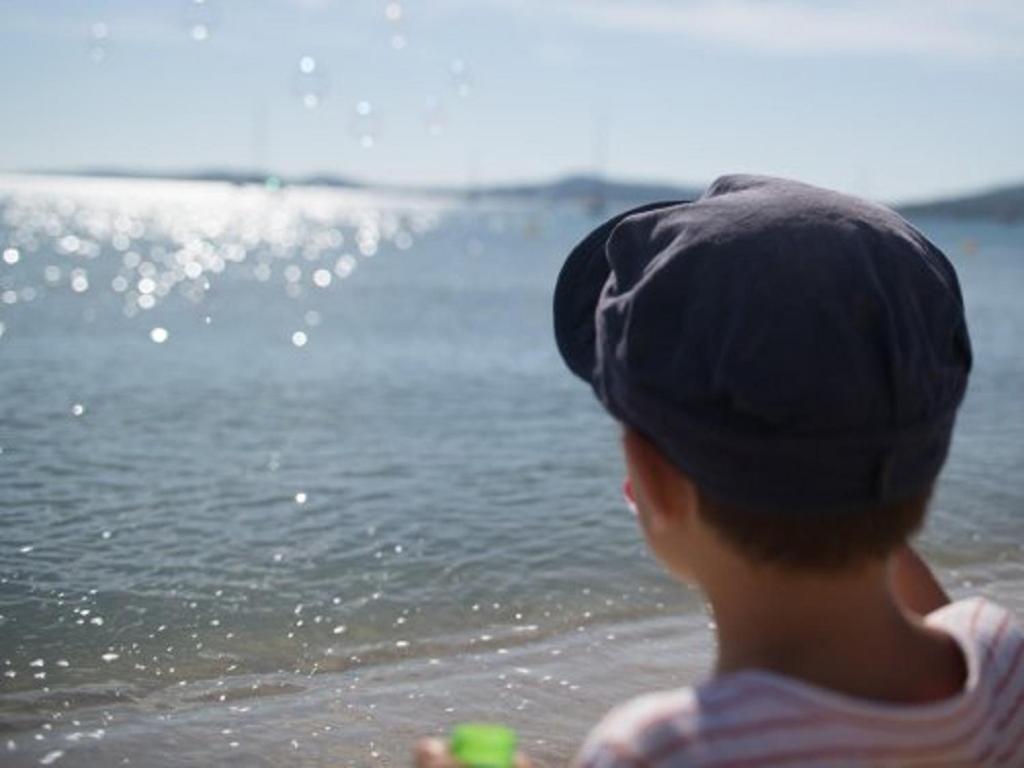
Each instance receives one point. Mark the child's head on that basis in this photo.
(787, 362)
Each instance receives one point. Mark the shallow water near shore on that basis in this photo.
(294, 476)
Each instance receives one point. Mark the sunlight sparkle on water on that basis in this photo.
(159, 335)
(344, 266)
(299, 339)
(322, 278)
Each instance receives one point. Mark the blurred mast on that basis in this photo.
(258, 138)
(597, 200)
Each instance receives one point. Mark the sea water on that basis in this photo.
(295, 476)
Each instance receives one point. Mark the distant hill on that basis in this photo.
(204, 174)
(590, 190)
(1005, 204)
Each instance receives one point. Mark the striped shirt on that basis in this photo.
(754, 718)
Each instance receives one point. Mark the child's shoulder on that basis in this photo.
(626, 735)
(758, 715)
(990, 636)
(678, 726)
(976, 617)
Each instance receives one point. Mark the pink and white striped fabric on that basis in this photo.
(754, 719)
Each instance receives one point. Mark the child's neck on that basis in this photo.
(842, 631)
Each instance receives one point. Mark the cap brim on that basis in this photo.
(578, 289)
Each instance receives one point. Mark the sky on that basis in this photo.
(897, 100)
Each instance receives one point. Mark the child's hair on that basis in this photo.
(822, 542)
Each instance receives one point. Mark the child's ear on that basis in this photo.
(665, 493)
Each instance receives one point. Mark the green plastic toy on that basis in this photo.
(482, 745)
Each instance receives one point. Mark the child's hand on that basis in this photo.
(433, 753)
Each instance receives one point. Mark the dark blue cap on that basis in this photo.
(788, 347)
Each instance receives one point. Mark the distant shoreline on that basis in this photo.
(1003, 204)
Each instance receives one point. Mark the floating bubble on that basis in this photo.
(11, 255)
(158, 335)
(461, 78)
(299, 339)
(98, 35)
(311, 82)
(365, 124)
(199, 19)
(434, 116)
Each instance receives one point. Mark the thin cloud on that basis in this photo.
(313, 5)
(977, 29)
